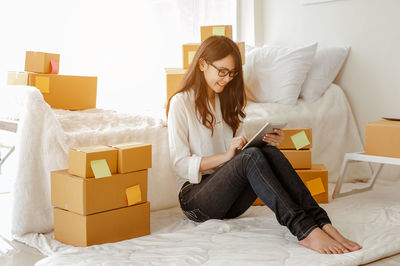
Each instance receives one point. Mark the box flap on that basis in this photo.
(130, 145)
(94, 148)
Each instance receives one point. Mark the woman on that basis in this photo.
(215, 180)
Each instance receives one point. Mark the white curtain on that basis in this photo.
(126, 43)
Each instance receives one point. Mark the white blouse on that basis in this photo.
(189, 140)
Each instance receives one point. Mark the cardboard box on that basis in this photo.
(133, 156)
(66, 92)
(80, 158)
(287, 143)
(190, 49)
(207, 31)
(188, 52)
(315, 179)
(86, 196)
(241, 46)
(17, 78)
(299, 159)
(382, 138)
(40, 62)
(258, 202)
(174, 78)
(104, 227)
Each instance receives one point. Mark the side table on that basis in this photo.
(361, 157)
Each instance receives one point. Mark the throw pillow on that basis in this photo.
(274, 74)
(326, 65)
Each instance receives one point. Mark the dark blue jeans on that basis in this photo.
(264, 172)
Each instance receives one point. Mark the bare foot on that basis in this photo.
(322, 243)
(334, 233)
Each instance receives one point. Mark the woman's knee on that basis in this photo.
(271, 150)
(253, 153)
(275, 156)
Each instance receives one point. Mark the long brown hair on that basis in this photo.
(232, 98)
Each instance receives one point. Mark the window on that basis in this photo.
(126, 43)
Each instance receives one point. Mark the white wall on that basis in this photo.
(371, 75)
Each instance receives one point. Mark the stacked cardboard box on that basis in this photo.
(102, 196)
(59, 91)
(296, 146)
(207, 31)
(382, 138)
(174, 75)
(298, 152)
(174, 78)
(190, 49)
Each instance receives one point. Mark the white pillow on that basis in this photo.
(248, 49)
(326, 66)
(275, 74)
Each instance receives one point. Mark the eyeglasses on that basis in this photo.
(223, 72)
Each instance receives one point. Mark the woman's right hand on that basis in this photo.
(235, 146)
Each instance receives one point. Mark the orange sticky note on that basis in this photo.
(190, 56)
(43, 84)
(100, 168)
(315, 186)
(53, 66)
(300, 140)
(133, 194)
(218, 31)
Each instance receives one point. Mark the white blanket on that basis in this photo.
(45, 137)
(370, 218)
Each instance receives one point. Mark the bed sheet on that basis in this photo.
(45, 136)
(371, 218)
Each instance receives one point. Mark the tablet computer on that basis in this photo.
(257, 139)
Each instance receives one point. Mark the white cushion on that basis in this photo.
(248, 49)
(327, 64)
(274, 74)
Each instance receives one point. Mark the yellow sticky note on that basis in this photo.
(17, 78)
(190, 56)
(315, 186)
(43, 84)
(218, 31)
(300, 140)
(133, 194)
(100, 168)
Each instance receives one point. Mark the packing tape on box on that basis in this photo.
(315, 186)
(133, 194)
(133, 144)
(53, 66)
(92, 148)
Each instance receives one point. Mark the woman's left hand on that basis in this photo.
(274, 139)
